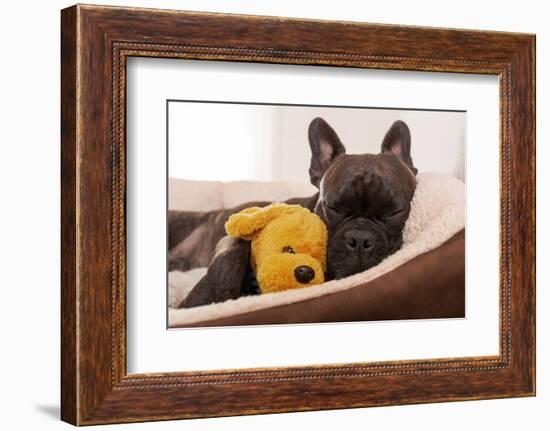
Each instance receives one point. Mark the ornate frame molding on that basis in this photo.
(96, 41)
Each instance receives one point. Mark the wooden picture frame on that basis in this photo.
(95, 43)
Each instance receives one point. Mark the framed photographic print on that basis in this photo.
(332, 214)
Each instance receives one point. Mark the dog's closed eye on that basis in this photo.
(393, 214)
(331, 209)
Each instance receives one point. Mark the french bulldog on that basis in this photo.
(364, 199)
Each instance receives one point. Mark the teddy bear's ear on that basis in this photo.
(249, 222)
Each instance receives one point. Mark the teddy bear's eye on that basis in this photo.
(288, 249)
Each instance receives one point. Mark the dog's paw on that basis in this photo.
(180, 284)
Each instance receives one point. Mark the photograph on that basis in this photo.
(275, 215)
(272, 213)
(283, 213)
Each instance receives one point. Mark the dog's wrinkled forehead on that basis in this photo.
(355, 180)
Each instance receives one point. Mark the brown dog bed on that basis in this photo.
(424, 279)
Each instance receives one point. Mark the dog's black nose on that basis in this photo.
(304, 274)
(360, 240)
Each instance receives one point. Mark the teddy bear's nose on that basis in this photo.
(304, 274)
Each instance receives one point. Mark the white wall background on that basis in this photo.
(29, 232)
(438, 138)
(271, 142)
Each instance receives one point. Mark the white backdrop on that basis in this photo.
(29, 173)
(270, 142)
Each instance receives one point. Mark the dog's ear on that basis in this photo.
(398, 142)
(325, 147)
(249, 222)
(225, 274)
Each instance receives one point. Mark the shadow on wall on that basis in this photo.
(51, 411)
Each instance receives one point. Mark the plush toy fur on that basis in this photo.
(283, 238)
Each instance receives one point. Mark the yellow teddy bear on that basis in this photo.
(288, 245)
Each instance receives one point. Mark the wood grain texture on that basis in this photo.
(68, 218)
(96, 41)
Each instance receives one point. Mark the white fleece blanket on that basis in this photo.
(437, 213)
